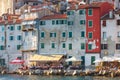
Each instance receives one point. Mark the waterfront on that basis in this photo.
(38, 77)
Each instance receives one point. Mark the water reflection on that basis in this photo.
(38, 77)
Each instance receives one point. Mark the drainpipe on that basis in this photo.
(38, 35)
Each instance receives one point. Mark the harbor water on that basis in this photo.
(38, 77)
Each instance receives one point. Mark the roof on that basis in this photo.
(2, 22)
(117, 12)
(55, 16)
(107, 17)
(46, 58)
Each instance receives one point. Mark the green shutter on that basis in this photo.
(90, 35)
(90, 23)
(70, 34)
(42, 45)
(19, 37)
(63, 34)
(82, 12)
(63, 45)
(54, 34)
(18, 27)
(68, 13)
(90, 12)
(53, 22)
(57, 22)
(70, 46)
(2, 62)
(53, 45)
(12, 28)
(18, 47)
(90, 46)
(92, 60)
(51, 34)
(82, 46)
(11, 37)
(82, 34)
(83, 60)
(42, 34)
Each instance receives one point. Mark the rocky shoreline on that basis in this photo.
(105, 73)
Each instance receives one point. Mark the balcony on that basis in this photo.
(29, 50)
(24, 28)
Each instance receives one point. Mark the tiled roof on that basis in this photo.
(55, 16)
(107, 17)
(2, 22)
(73, 7)
(29, 19)
(18, 21)
(98, 4)
(117, 12)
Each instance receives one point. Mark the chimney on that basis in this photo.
(111, 14)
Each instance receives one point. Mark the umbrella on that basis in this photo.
(73, 59)
(98, 60)
(17, 61)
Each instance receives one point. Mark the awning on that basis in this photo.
(73, 59)
(45, 58)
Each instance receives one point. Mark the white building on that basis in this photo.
(110, 32)
(13, 41)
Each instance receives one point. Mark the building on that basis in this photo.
(11, 6)
(94, 12)
(76, 24)
(30, 27)
(110, 34)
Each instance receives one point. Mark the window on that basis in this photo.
(92, 60)
(42, 22)
(53, 35)
(89, 46)
(11, 38)
(82, 45)
(42, 34)
(18, 27)
(42, 46)
(90, 23)
(83, 60)
(3, 28)
(2, 38)
(82, 12)
(19, 37)
(63, 45)
(82, 34)
(90, 12)
(104, 35)
(26, 33)
(118, 22)
(118, 46)
(70, 13)
(18, 47)
(70, 34)
(104, 23)
(63, 34)
(82, 22)
(118, 34)
(11, 28)
(2, 62)
(33, 33)
(70, 46)
(70, 22)
(104, 46)
(53, 45)
(53, 22)
(2, 47)
(90, 35)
